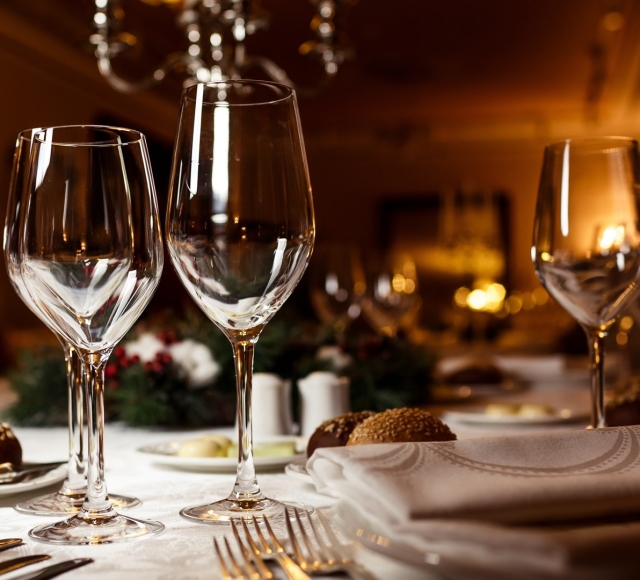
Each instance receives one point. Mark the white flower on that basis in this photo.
(339, 359)
(196, 361)
(146, 347)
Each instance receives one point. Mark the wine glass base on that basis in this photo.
(61, 505)
(76, 531)
(226, 510)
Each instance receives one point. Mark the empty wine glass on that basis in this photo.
(90, 254)
(337, 285)
(240, 230)
(69, 498)
(391, 300)
(586, 241)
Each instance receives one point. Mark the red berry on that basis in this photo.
(134, 360)
(110, 371)
(119, 351)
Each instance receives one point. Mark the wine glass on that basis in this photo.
(586, 241)
(240, 231)
(90, 254)
(337, 285)
(69, 499)
(391, 300)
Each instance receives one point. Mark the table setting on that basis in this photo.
(516, 477)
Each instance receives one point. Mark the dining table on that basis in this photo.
(185, 549)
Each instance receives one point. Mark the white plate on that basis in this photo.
(165, 454)
(54, 476)
(478, 416)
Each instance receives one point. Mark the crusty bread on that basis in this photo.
(399, 426)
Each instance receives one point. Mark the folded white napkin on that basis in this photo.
(458, 495)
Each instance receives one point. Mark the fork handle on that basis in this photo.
(290, 568)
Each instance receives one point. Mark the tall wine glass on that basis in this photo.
(240, 230)
(391, 300)
(337, 285)
(69, 499)
(586, 238)
(90, 254)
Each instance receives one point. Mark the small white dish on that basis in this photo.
(479, 416)
(54, 476)
(297, 469)
(165, 454)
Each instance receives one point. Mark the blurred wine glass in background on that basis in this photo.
(391, 300)
(337, 285)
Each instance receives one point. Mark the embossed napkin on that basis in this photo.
(465, 496)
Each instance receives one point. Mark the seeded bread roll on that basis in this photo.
(335, 432)
(400, 426)
(10, 448)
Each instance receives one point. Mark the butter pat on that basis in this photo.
(283, 449)
(205, 446)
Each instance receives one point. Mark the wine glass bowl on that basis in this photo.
(337, 284)
(90, 255)
(391, 300)
(586, 242)
(68, 500)
(240, 231)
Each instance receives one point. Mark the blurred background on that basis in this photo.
(424, 149)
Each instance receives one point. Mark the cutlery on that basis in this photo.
(8, 543)
(322, 558)
(54, 569)
(231, 570)
(10, 473)
(15, 563)
(263, 570)
(265, 550)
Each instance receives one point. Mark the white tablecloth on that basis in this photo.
(184, 551)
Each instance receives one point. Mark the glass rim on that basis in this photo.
(289, 92)
(612, 140)
(137, 136)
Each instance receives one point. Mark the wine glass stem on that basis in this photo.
(596, 356)
(246, 487)
(76, 482)
(96, 504)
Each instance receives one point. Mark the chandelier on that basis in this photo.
(216, 31)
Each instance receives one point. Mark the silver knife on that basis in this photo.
(54, 569)
(15, 563)
(11, 474)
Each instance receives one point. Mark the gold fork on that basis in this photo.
(265, 550)
(231, 569)
(322, 558)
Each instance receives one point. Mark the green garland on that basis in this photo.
(384, 373)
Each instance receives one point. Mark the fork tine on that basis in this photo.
(272, 536)
(263, 541)
(262, 569)
(305, 536)
(226, 575)
(237, 571)
(297, 552)
(335, 543)
(327, 551)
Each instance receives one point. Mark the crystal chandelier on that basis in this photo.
(217, 31)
